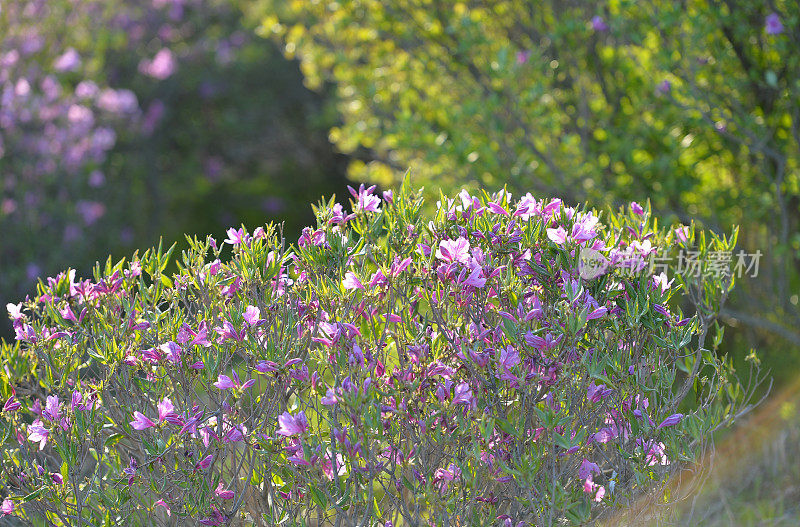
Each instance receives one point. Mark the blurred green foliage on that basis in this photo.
(694, 105)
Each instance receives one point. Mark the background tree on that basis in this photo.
(696, 104)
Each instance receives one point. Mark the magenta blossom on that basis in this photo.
(463, 394)
(224, 382)
(291, 425)
(351, 281)
(37, 432)
(557, 236)
(454, 251)
(8, 507)
(251, 316)
(223, 493)
(365, 200)
(141, 422)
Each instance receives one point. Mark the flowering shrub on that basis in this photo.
(388, 369)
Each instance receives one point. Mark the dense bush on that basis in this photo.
(470, 368)
(695, 104)
(123, 121)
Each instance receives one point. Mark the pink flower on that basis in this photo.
(223, 493)
(141, 422)
(8, 507)
(454, 251)
(365, 200)
(161, 67)
(52, 409)
(682, 234)
(37, 432)
(204, 463)
(636, 208)
(68, 61)
(166, 410)
(172, 351)
(351, 281)
(463, 394)
(558, 236)
(329, 399)
(291, 425)
(14, 310)
(251, 315)
(224, 382)
(235, 237)
(199, 338)
(227, 331)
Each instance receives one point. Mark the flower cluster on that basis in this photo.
(385, 370)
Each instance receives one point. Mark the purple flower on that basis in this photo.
(351, 281)
(223, 493)
(523, 56)
(251, 315)
(671, 420)
(329, 399)
(204, 463)
(597, 393)
(161, 67)
(68, 61)
(773, 24)
(508, 357)
(463, 394)
(664, 87)
(365, 200)
(172, 351)
(557, 236)
(542, 344)
(216, 518)
(636, 208)
(79, 402)
(291, 425)
(166, 410)
(598, 24)
(8, 507)
(141, 422)
(52, 409)
(588, 468)
(224, 382)
(235, 237)
(454, 250)
(12, 405)
(266, 366)
(37, 432)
